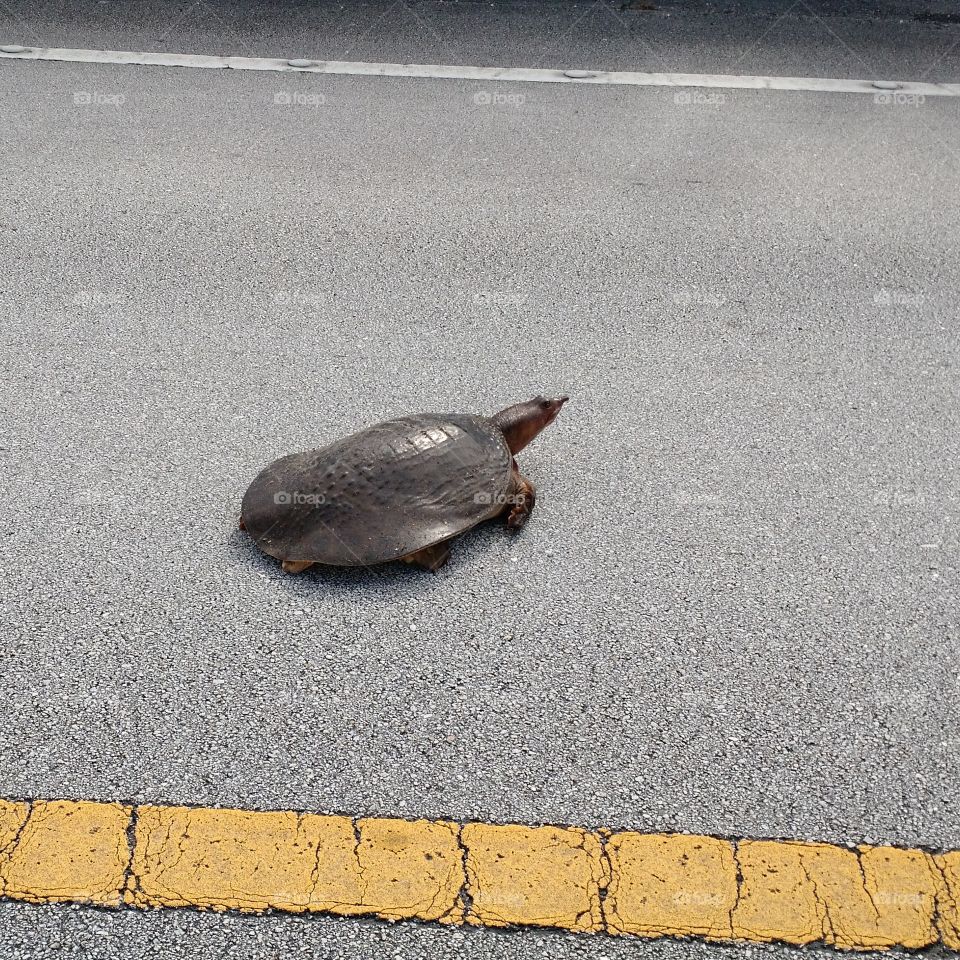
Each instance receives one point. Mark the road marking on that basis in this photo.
(54, 850)
(591, 881)
(879, 87)
(535, 876)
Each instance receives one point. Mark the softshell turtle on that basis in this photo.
(399, 490)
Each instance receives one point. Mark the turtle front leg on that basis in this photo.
(295, 566)
(521, 501)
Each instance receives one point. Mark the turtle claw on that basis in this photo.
(519, 515)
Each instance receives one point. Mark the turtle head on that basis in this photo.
(523, 421)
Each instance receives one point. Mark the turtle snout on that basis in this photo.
(553, 407)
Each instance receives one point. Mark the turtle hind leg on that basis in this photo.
(520, 502)
(296, 566)
(430, 558)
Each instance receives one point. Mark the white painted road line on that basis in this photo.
(878, 87)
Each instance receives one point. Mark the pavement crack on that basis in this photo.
(8, 850)
(606, 880)
(464, 896)
(358, 840)
(130, 885)
(858, 853)
(941, 898)
(315, 870)
(827, 932)
(738, 880)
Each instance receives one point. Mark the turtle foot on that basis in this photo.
(518, 518)
(523, 499)
(296, 566)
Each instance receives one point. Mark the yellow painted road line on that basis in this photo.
(590, 881)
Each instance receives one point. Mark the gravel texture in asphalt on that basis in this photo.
(67, 933)
(732, 611)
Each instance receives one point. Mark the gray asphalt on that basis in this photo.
(55, 933)
(735, 608)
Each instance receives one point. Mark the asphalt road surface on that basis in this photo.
(735, 609)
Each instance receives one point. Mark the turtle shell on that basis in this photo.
(382, 493)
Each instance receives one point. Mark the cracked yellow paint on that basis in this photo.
(542, 876)
(66, 851)
(13, 815)
(242, 860)
(948, 864)
(671, 884)
(873, 897)
(410, 869)
(864, 898)
(254, 861)
(902, 888)
(777, 898)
